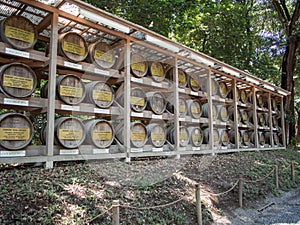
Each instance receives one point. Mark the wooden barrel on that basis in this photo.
(196, 136)
(17, 80)
(243, 96)
(274, 122)
(182, 77)
(157, 71)
(245, 137)
(138, 98)
(276, 139)
(194, 107)
(16, 131)
(206, 137)
(156, 102)
(183, 135)
(138, 134)
(223, 89)
(224, 137)
(244, 116)
(70, 89)
(205, 111)
(72, 46)
(214, 86)
(194, 82)
(102, 55)
(138, 65)
(156, 134)
(99, 133)
(260, 99)
(261, 119)
(69, 132)
(223, 114)
(232, 137)
(266, 116)
(182, 106)
(274, 104)
(99, 93)
(231, 114)
(261, 138)
(19, 32)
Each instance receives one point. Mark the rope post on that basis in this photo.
(276, 177)
(241, 191)
(292, 171)
(116, 212)
(198, 205)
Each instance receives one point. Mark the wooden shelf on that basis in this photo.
(26, 104)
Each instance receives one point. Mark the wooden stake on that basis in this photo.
(198, 205)
(276, 177)
(116, 212)
(241, 191)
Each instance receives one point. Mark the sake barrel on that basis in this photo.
(69, 132)
(224, 137)
(16, 131)
(206, 137)
(274, 104)
(214, 86)
(99, 132)
(156, 134)
(266, 116)
(261, 119)
(245, 137)
(194, 82)
(72, 46)
(243, 96)
(19, 32)
(157, 71)
(244, 116)
(205, 111)
(70, 89)
(138, 65)
(138, 98)
(260, 100)
(194, 108)
(196, 136)
(223, 89)
(231, 114)
(99, 93)
(17, 80)
(183, 135)
(223, 114)
(102, 55)
(182, 77)
(182, 106)
(261, 138)
(232, 137)
(276, 139)
(156, 102)
(274, 122)
(138, 134)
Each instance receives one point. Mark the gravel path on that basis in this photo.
(273, 210)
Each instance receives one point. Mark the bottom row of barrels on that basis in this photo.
(16, 132)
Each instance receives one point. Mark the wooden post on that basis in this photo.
(276, 177)
(292, 171)
(241, 191)
(198, 205)
(116, 212)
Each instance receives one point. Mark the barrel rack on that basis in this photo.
(53, 17)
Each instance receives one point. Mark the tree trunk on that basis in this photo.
(298, 128)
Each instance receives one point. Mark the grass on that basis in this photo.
(78, 192)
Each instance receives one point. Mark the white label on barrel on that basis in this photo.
(9, 101)
(69, 134)
(70, 107)
(99, 71)
(137, 114)
(5, 154)
(19, 34)
(104, 56)
(194, 93)
(69, 151)
(181, 90)
(156, 84)
(72, 65)
(17, 53)
(136, 150)
(182, 119)
(70, 91)
(14, 134)
(138, 80)
(100, 151)
(17, 82)
(195, 120)
(73, 48)
(102, 135)
(137, 136)
(196, 148)
(157, 149)
(102, 95)
(156, 116)
(105, 111)
(137, 101)
(140, 66)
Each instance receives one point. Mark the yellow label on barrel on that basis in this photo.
(262, 138)
(140, 66)
(243, 95)
(70, 91)
(181, 77)
(183, 136)
(216, 137)
(194, 83)
(223, 88)
(157, 71)
(224, 137)
(158, 136)
(104, 56)
(224, 113)
(214, 87)
(197, 137)
(102, 95)
(137, 101)
(215, 112)
(14, 134)
(17, 82)
(195, 109)
(102, 135)
(182, 108)
(73, 48)
(246, 137)
(137, 136)
(69, 134)
(19, 34)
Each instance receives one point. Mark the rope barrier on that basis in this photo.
(106, 211)
(225, 192)
(261, 179)
(152, 207)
